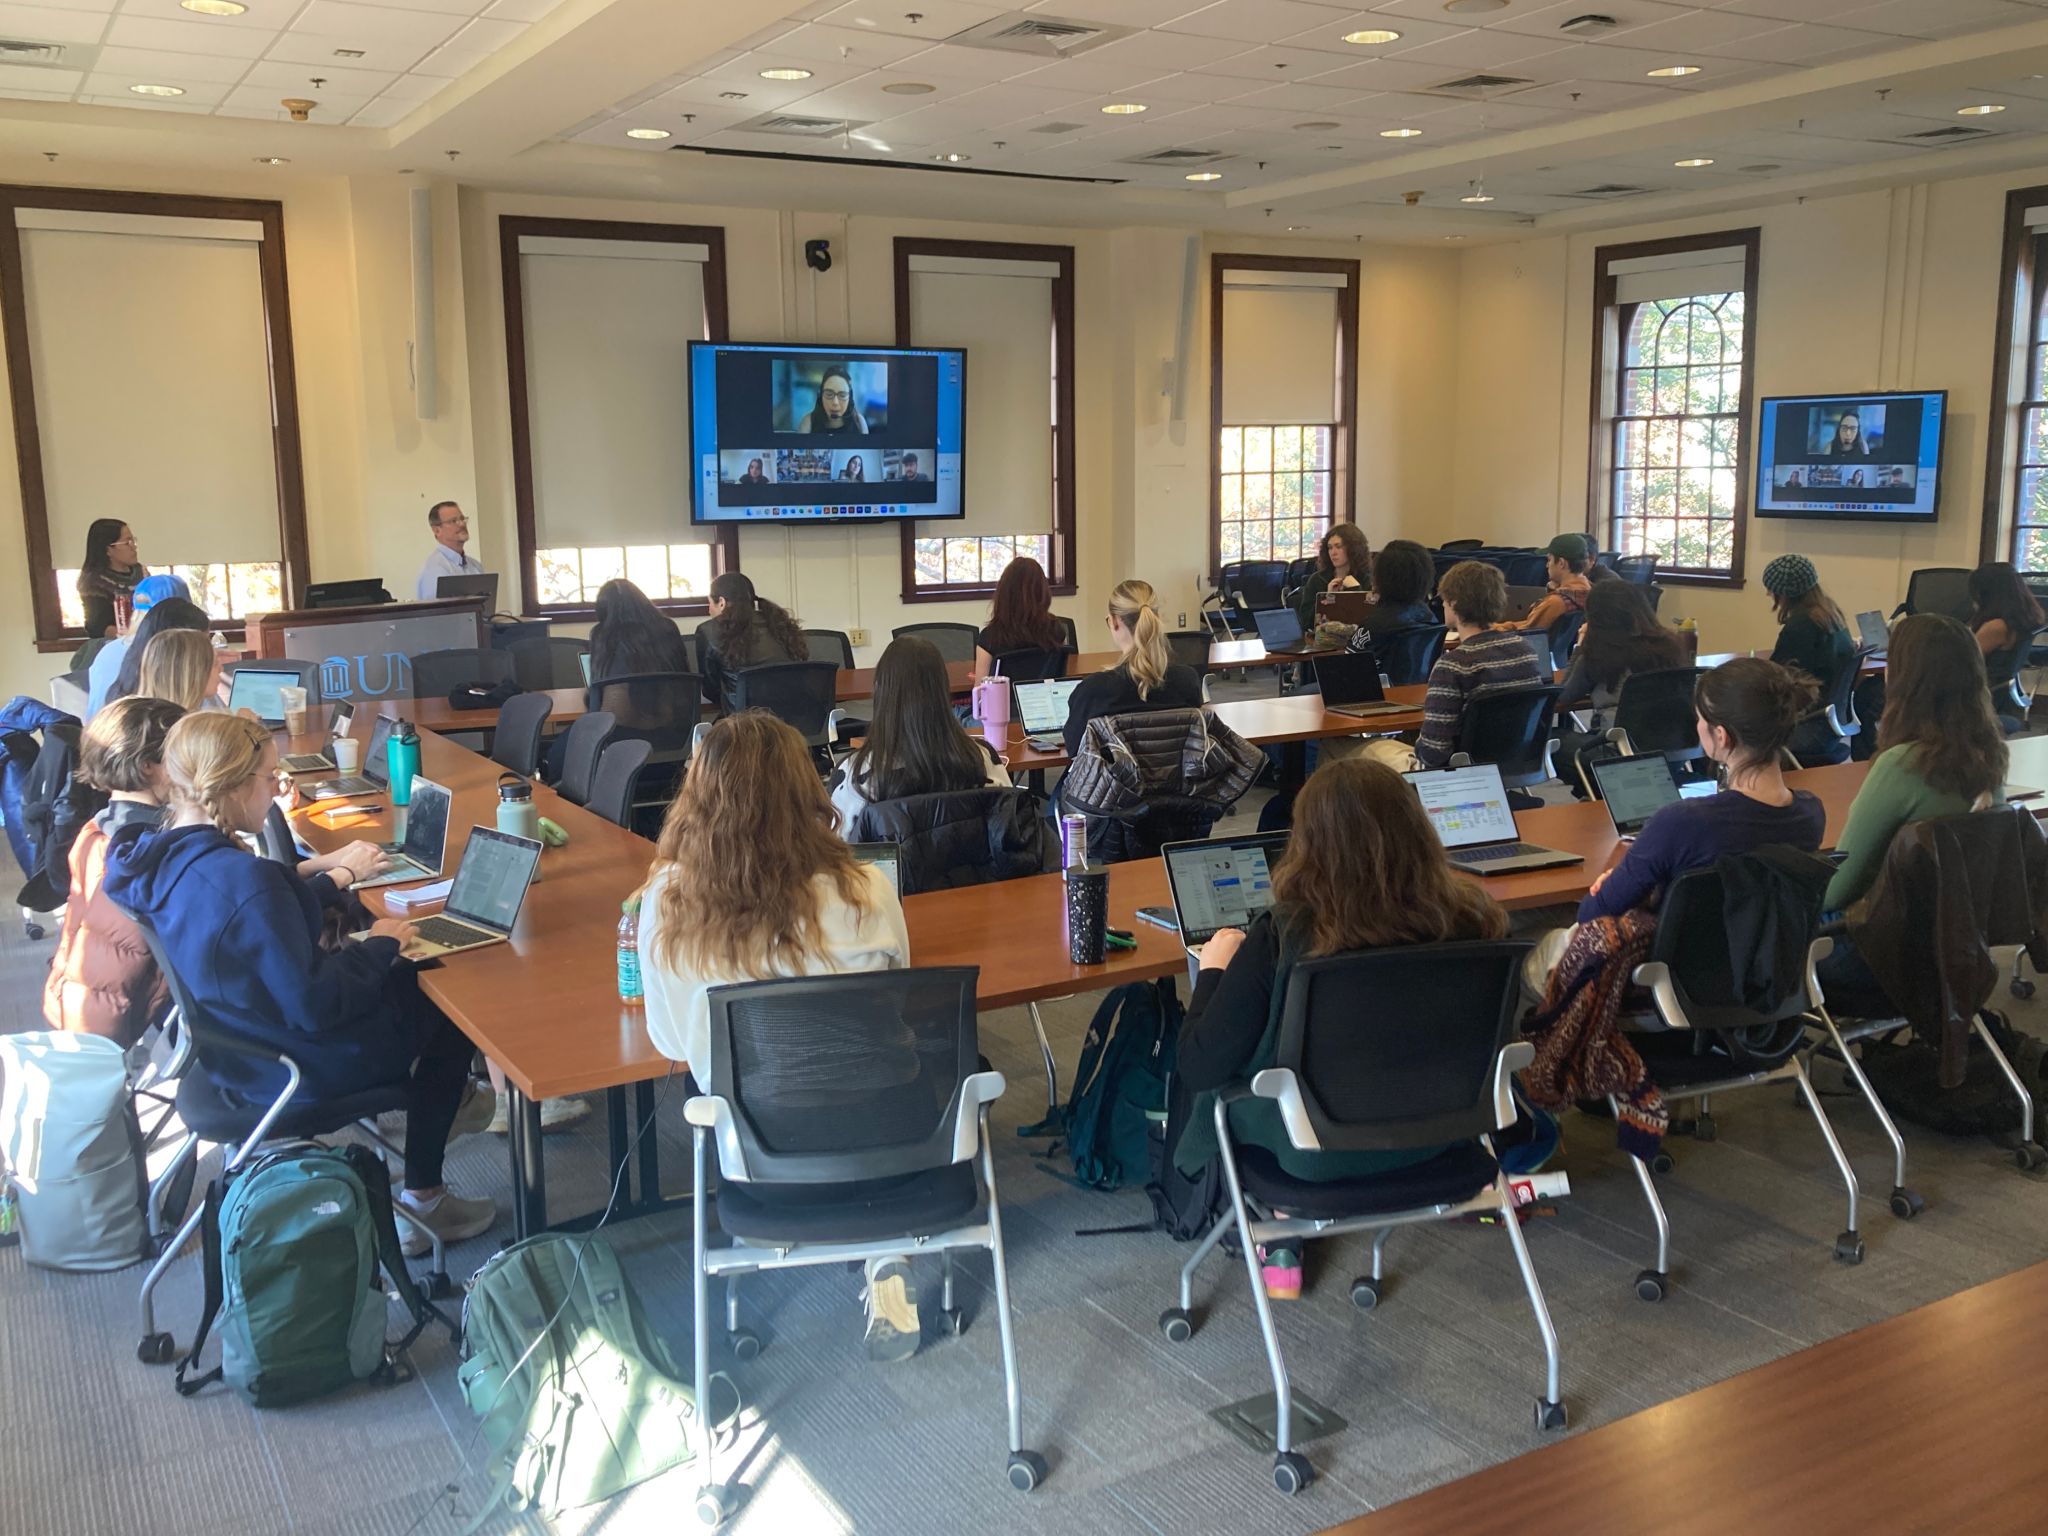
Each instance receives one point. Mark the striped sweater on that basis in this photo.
(1492, 661)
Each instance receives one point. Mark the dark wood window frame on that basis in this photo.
(1608, 331)
(51, 631)
(1344, 444)
(725, 548)
(1064, 573)
(2020, 330)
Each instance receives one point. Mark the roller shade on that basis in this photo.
(1642, 279)
(152, 382)
(1001, 312)
(1280, 349)
(608, 327)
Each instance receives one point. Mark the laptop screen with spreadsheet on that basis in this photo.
(1467, 806)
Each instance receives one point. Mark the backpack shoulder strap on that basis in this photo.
(369, 1168)
(210, 1267)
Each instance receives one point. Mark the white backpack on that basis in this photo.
(72, 1151)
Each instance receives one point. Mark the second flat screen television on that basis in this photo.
(1854, 458)
(782, 433)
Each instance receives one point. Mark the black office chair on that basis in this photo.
(581, 745)
(1699, 1039)
(802, 694)
(1563, 635)
(2009, 696)
(852, 1104)
(1070, 635)
(831, 645)
(436, 674)
(1827, 736)
(1298, 573)
(1525, 568)
(1654, 713)
(1257, 584)
(1640, 569)
(1938, 589)
(1512, 730)
(1461, 546)
(1030, 666)
(548, 661)
(954, 641)
(516, 742)
(1406, 655)
(617, 778)
(661, 709)
(308, 672)
(1434, 1071)
(1190, 648)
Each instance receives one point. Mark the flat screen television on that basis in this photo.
(1872, 458)
(798, 434)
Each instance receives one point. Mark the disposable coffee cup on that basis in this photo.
(294, 702)
(1087, 912)
(348, 754)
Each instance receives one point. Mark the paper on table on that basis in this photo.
(404, 900)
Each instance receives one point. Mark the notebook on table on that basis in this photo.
(1470, 811)
(261, 691)
(1042, 710)
(425, 846)
(1351, 685)
(339, 723)
(1219, 882)
(484, 902)
(1280, 631)
(1635, 788)
(376, 769)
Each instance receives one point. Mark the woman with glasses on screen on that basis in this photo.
(835, 410)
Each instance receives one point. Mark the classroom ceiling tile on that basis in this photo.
(263, 101)
(145, 64)
(1329, 31)
(282, 73)
(854, 45)
(1251, 21)
(936, 19)
(1545, 20)
(1273, 64)
(49, 24)
(188, 37)
(375, 25)
(1938, 18)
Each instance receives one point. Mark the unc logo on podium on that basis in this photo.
(365, 676)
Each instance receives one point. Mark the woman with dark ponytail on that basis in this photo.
(744, 630)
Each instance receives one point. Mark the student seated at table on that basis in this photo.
(167, 613)
(1343, 564)
(1487, 659)
(632, 636)
(1813, 638)
(1020, 617)
(2004, 615)
(1402, 577)
(1145, 677)
(244, 936)
(1621, 636)
(181, 665)
(914, 745)
(1363, 870)
(751, 880)
(1565, 560)
(744, 630)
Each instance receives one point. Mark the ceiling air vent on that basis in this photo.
(1483, 85)
(1042, 37)
(15, 50)
(1055, 128)
(797, 126)
(1177, 157)
(1609, 189)
(1591, 25)
(1954, 135)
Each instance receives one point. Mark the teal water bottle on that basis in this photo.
(403, 752)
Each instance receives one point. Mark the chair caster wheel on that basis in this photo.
(1026, 1470)
(35, 930)
(435, 1285)
(1550, 1415)
(746, 1344)
(1365, 1293)
(2022, 988)
(1704, 1128)
(156, 1349)
(1906, 1205)
(1650, 1285)
(713, 1505)
(2028, 1156)
(1661, 1163)
(1176, 1325)
(1292, 1473)
(953, 1321)
(1849, 1248)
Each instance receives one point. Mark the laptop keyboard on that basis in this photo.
(337, 787)
(1493, 855)
(306, 762)
(439, 930)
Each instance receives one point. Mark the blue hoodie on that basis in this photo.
(242, 934)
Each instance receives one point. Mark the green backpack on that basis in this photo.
(579, 1398)
(294, 1243)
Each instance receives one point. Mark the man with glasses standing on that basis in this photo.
(451, 535)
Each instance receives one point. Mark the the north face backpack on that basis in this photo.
(579, 1398)
(294, 1244)
(1119, 1083)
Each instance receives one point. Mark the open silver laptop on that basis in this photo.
(484, 901)
(1470, 811)
(376, 769)
(339, 724)
(1219, 882)
(1634, 789)
(1871, 630)
(260, 690)
(425, 846)
(1042, 709)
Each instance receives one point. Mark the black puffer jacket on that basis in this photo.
(1149, 779)
(960, 837)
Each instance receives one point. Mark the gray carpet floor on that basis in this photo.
(1437, 1382)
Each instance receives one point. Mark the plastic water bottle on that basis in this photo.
(630, 990)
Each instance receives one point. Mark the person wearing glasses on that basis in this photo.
(835, 411)
(108, 578)
(451, 535)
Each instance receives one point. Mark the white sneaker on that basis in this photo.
(452, 1218)
(894, 1327)
(554, 1114)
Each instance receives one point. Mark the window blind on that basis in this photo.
(1642, 279)
(1280, 341)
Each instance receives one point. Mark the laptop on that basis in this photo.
(484, 586)
(1469, 809)
(261, 692)
(425, 848)
(1280, 631)
(339, 722)
(1220, 882)
(1042, 708)
(484, 901)
(1351, 686)
(1873, 630)
(887, 857)
(1635, 788)
(583, 660)
(376, 768)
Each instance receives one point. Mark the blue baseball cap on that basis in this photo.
(152, 590)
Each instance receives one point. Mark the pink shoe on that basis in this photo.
(1280, 1266)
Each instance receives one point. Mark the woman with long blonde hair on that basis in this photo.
(182, 666)
(751, 880)
(1146, 676)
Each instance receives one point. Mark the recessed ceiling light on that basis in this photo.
(1205, 175)
(1124, 108)
(214, 7)
(1674, 71)
(270, 159)
(785, 74)
(1478, 194)
(1468, 7)
(1400, 133)
(1983, 109)
(1372, 35)
(158, 90)
(647, 133)
(1293, 229)
(908, 88)
(1693, 164)
(951, 158)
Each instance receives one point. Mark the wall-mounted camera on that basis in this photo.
(818, 255)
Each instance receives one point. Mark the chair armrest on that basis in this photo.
(1816, 952)
(977, 1091)
(1550, 758)
(697, 735)
(1512, 1059)
(1280, 1085)
(709, 1112)
(1836, 724)
(1460, 760)
(1617, 737)
(1655, 976)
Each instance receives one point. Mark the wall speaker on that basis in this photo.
(425, 383)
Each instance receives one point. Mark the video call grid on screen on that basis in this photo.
(1856, 457)
(822, 434)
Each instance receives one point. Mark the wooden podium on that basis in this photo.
(365, 652)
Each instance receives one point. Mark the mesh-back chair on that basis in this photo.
(1512, 730)
(616, 779)
(1030, 666)
(661, 709)
(1298, 573)
(1563, 635)
(279, 846)
(1190, 648)
(516, 742)
(1257, 584)
(2009, 695)
(238, 1129)
(1700, 1039)
(955, 642)
(1461, 546)
(1070, 634)
(1640, 569)
(1525, 568)
(1938, 589)
(801, 694)
(308, 672)
(848, 1115)
(436, 674)
(1654, 713)
(548, 661)
(580, 749)
(1431, 1070)
(831, 645)
(1407, 654)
